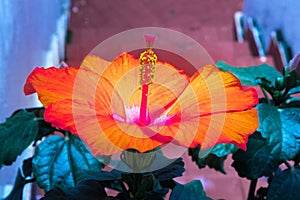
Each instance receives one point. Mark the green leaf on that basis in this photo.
(107, 179)
(257, 160)
(44, 128)
(58, 161)
(281, 128)
(292, 102)
(85, 190)
(99, 175)
(285, 185)
(221, 150)
(144, 186)
(16, 134)
(294, 90)
(210, 160)
(175, 169)
(248, 75)
(190, 191)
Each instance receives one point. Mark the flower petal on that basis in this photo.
(92, 96)
(118, 136)
(94, 64)
(51, 84)
(232, 127)
(217, 99)
(168, 84)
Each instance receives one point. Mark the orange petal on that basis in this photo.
(60, 115)
(51, 84)
(219, 101)
(94, 64)
(232, 127)
(117, 69)
(117, 136)
(92, 97)
(123, 72)
(222, 89)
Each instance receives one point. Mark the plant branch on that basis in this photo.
(266, 95)
(288, 164)
(252, 188)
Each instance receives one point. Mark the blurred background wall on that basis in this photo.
(32, 33)
(276, 15)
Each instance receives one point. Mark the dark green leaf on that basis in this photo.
(171, 171)
(55, 194)
(21, 180)
(257, 161)
(58, 161)
(292, 102)
(16, 134)
(285, 185)
(107, 179)
(211, 160)
(85, 190)
(151, 189)
(99, 175)
(281, 128)
(144, 186)
(294, 90)
(44, 128)
(190, 191)
(221, 150)
(214, 162)
(248, 75)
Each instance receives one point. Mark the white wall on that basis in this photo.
(32, 33)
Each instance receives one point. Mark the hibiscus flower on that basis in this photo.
(142, 104)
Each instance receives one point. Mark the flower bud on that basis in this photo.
(137, 161)
(295, 65)
(279, 83)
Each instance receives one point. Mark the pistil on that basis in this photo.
(147, 68)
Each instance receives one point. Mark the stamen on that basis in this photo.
(147, 68)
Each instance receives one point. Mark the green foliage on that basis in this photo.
(222, 150)
(58, 160)
(285, 185)
(249, 75)
(190, 191)
(144, 186)
(210, 160)
(85, 190)
(294, 90)
(16, 134)
(281, 129)
(257, 160)
(175, 169)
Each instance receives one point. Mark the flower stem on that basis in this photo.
(252, 188)
(266, 95)
(39, 118)
(288, 164)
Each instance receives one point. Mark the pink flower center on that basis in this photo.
(133, 116)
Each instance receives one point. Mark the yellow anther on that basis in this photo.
(147, 68)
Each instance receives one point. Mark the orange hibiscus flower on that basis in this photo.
(143, 104)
